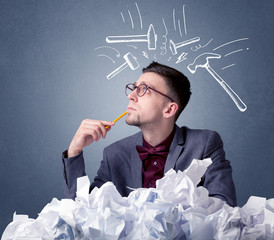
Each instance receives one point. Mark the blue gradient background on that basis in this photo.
(52, 78)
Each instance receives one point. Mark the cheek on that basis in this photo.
(152, 109)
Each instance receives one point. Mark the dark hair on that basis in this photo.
(177, 82)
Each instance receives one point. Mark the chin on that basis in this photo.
(133, 122)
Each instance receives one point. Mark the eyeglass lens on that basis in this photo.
(129, 88)
(140, 90)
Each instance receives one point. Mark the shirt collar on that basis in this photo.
(166, 142)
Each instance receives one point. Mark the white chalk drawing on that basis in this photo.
(140, 17)
(184, 17)
(131, 20)
(179, 26)
(236, 51)
(179, 52)
(181, 57)
(145, 54)
(202, 61)
(135, 47)
(118, 53)
(122, 17)
(231, 65)
(174, 24)
(163, 47)
(130, 61)
(239, 50)
(179, 22)
(225, 44)
(107, 56)
(150, 38)
(173, 47)
(103, 55)
(196, 48)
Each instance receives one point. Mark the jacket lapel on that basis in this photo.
(175, 149)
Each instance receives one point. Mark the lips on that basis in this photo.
(130, 109)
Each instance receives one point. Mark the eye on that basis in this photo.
(142, 88)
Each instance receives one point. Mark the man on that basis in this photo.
(156, 100)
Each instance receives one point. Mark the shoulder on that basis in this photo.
(199, 135)
(198, 132)
(203, 143)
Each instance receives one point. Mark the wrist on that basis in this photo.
(73, 152)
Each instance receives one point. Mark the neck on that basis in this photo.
(156, 135)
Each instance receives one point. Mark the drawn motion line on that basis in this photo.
(118, 53)
(103, 55)
(237, 40)
(239, 50)
(132, 24)
(231, 65)
(184, 16)
(140, 17)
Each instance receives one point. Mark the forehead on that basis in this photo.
(151, 79)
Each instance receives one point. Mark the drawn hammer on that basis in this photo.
(150, 38)
(130, 61)
(203, 62)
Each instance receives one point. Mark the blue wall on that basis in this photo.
(53, 66)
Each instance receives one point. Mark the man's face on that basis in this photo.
(147, 111)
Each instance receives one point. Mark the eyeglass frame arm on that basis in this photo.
(147, 87)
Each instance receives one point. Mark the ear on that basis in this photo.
(170, 110)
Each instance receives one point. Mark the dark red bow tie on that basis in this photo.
(144, 152)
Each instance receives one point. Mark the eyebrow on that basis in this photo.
(142, 82)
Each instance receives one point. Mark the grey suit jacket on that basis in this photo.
(122, 166)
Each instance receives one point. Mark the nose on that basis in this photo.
(133, 95)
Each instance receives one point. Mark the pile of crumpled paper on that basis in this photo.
(175, 209)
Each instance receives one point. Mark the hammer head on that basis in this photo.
(131, 61)
(151, 38)
(202, 61)
(172, 47)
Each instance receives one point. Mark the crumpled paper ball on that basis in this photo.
(175, 209)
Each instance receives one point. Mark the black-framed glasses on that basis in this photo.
(141, 90)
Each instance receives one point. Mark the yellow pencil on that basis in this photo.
(117, 118)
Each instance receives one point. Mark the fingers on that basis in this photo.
(95, 128)
(88, 131)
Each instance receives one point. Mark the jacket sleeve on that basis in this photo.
(218, 177)
(73, 168)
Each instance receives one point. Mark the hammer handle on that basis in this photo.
(117, 70)
(131, 38)
(236, 99)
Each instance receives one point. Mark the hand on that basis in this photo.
(89, 131)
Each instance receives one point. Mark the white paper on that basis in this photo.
(175, 209)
